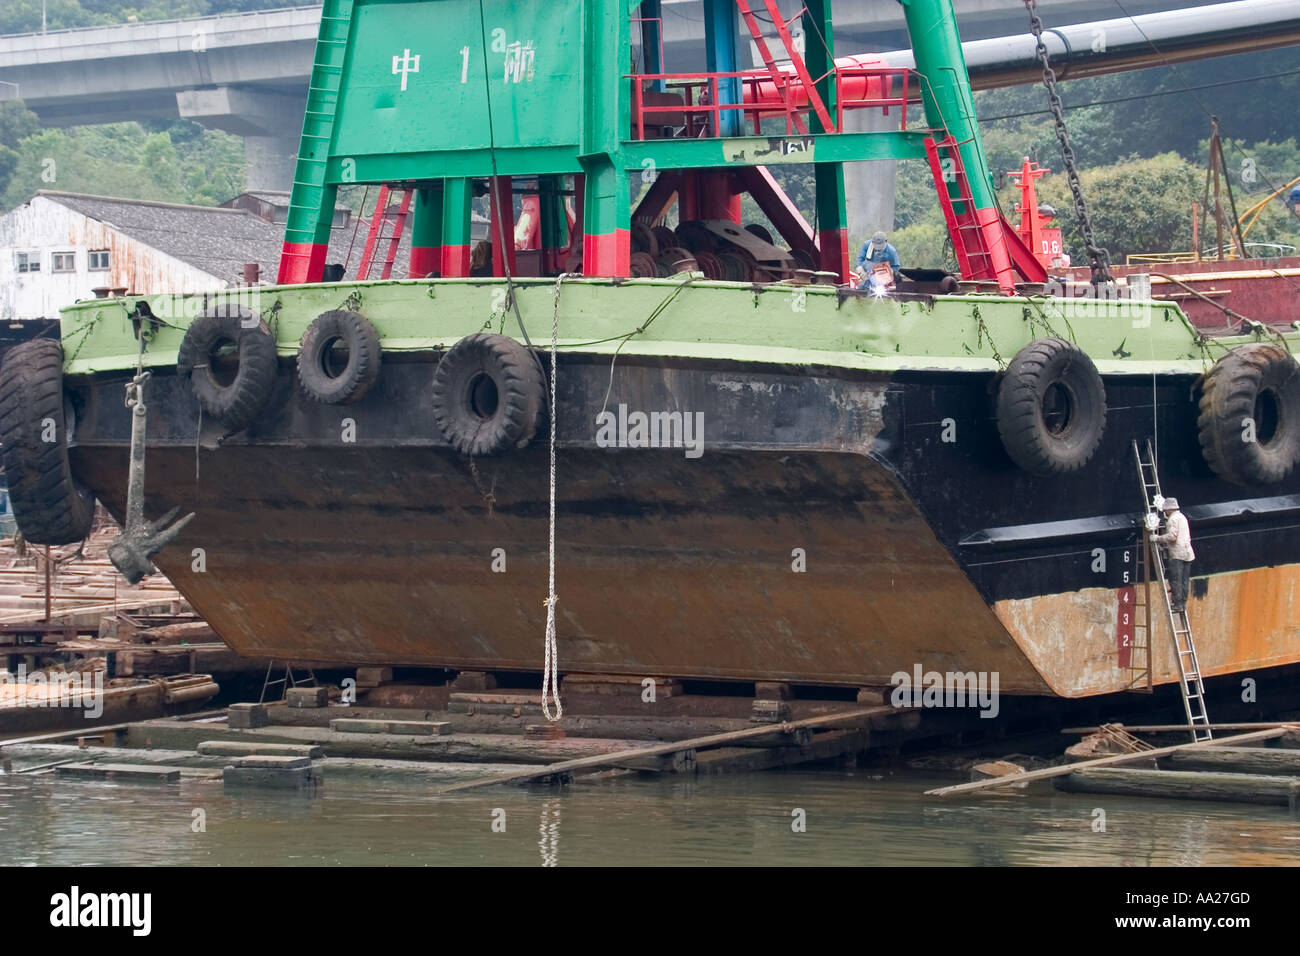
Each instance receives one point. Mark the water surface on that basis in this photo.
(860, 817)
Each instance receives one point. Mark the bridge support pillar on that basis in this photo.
(869, 186)
(270, 124)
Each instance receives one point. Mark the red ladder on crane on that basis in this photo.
(779, 78)
(986, 245)
(376, 233)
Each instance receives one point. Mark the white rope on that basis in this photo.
(551, 667)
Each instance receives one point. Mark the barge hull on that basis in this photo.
(381, 549)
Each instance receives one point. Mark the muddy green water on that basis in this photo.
(859, 817)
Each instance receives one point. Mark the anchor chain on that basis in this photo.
(1098, 257)
(133, 549)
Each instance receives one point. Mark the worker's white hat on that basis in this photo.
(1171, 504)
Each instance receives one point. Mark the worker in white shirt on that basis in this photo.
(1177, 540)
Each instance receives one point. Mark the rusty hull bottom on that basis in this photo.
(666, 567)
(1242, 621)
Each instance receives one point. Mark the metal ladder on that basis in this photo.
(377, 235)
(303, 228)
(974, 260)
(287, 681)
(1189, 665)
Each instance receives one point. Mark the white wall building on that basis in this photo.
(59, 247)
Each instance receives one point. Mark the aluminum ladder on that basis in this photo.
(1189, 665)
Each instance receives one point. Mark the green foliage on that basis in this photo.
(914, 196)
(24, 16)
(922, 245)
(178, 162)
(1141, 206)
(16, 123)
(1149, 111)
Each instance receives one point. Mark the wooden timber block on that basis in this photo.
(142, 772)
(105, 738)
(867, 695)
(368, 677)
(769, 712)
(629, 685)
(352, 725)
(273, 762)
(772, 690)
(239, 748)
(1184, 785)
(419, 728)
(289, 778)
(474, 680)
(300, 697)
(247, 716)
(494, 698)
(544, 732)
(515, 705)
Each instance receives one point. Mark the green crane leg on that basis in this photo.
(426, 234)
(832, 216)
(456, 194)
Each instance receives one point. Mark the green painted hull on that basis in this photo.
(811, 325)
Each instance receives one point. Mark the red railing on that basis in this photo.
(694, 98)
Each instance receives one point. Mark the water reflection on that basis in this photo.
(550, 831)
(851, 818)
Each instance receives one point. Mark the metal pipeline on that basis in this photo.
(1083, 49)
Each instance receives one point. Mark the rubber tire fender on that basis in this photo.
(238, 404)
(362, 340)
(1229, 409)
(50, 505)
(475, 370)
(1040, 366)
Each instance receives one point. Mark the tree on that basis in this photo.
(16, 123)
(127, 160)
(1140, 206)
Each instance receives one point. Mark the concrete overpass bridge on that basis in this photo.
(247, 73)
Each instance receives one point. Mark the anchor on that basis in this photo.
(132, 551)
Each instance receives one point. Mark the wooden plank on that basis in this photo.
(1184, 785)
(37, 615)
(1173, 728)
(60, 734)
(1047, 772)
(698, 743)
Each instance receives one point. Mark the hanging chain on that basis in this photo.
(1098, 257)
